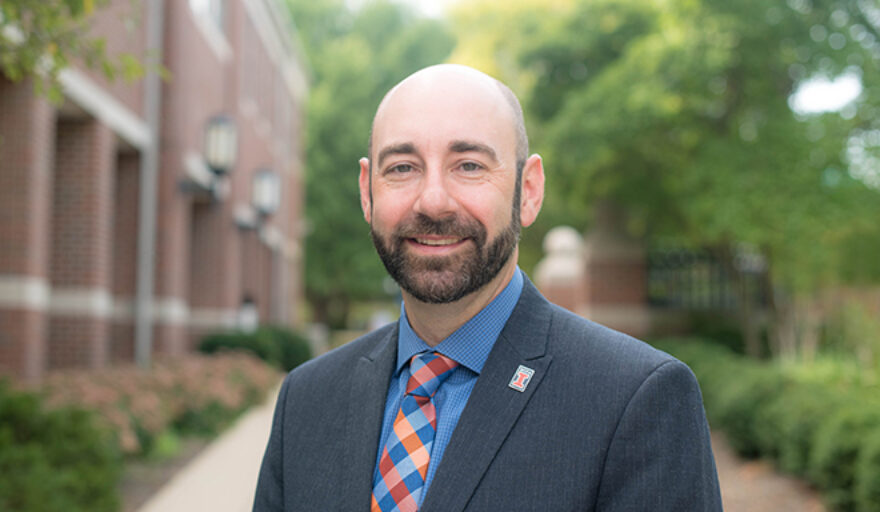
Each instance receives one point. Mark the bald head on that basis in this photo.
(453, 80)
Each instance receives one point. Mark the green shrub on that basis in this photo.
(276, 345)
(836, 448)
(206, 421)
(195, 394)
(785, 427)
(867, 492)
(740, 401)
(816, 420)
(54, 460)
(721, 329)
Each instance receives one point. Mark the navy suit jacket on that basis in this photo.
(606, 423)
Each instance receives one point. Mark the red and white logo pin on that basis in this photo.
(521, 378)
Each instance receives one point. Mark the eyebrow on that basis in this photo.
(463, 146)
(456, 146)
(404, 148)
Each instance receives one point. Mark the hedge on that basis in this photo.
(196, 394)
(54, 459)
(63, 445)
(827, 433)
(279, 346)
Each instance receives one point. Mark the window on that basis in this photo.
(213, 10)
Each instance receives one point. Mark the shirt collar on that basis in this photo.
(471, 343)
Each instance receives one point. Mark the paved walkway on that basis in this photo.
(223, 477)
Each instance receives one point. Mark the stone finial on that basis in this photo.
(563, 261)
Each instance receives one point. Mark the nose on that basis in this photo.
(434, 199)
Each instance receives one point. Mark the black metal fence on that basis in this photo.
(696, 280)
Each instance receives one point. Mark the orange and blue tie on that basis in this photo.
(403, 464)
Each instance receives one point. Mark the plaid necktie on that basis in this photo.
(404, 461)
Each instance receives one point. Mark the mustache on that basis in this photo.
(421, 224)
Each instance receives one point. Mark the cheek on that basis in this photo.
(388, 210)
(493, 211)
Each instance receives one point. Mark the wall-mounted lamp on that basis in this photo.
(266, 192)
(221, 144)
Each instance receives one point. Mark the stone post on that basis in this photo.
(560, 275)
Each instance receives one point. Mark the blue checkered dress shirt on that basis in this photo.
(469, 346)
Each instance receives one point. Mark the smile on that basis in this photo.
(438, 241)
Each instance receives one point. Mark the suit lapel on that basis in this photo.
(493, 407)
(369, 388)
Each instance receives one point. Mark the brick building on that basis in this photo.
(118, 233)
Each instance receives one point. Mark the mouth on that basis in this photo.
(436, 244)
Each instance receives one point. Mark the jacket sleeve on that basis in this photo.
(270, 485)
(660, 457)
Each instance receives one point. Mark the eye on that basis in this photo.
(399, 169)
(470, 166)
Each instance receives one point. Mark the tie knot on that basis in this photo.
(427, 371)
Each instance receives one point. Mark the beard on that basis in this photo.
(445, 279)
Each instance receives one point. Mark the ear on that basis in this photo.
(364, 184)
(532, 190)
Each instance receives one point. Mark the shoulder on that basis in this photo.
(585, 349)
(329, 367)
(609, 361)
(581, 337)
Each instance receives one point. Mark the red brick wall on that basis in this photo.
(82, 231)
(26, 141)
(78, 341)
(122, 24)
(616, 282)
(82, 217)
(214, 258)
(22, 343)
(171, 339)
(125, 226)
(196, 93)
(121, 348)
(73, 230)
(124, 261)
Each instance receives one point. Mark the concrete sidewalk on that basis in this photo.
(223, 477)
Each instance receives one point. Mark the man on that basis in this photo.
(483, 396)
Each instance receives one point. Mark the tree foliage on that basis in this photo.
(356, 56)
(38, 39)
(680, 111)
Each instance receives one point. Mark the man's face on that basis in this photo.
(443, 200)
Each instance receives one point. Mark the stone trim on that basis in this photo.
(103, 106)
(213, 318)
(23, 292)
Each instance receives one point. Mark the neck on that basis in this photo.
(435, 322)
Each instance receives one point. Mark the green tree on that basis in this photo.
(356, 56)
(40, 38)
(679, 110)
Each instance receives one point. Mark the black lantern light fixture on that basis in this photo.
(266, 192)
(221, 144)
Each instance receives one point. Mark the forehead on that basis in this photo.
(432, 111)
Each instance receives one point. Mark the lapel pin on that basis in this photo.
(521, 378)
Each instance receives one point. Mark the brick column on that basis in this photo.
(215, 270)
(125, 255)
(27, 139)
(82, 233)
(616, 289)
(171, 305)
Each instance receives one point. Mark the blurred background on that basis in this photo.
(179, 217)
